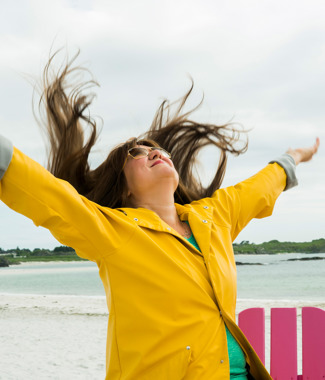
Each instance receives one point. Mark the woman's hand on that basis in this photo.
(303, 154)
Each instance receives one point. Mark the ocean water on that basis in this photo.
(60, 278)
(278, 277)
(53, 316)
(266, 277)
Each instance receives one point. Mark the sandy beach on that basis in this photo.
(64, 337)
(49, 337)
(57, 330)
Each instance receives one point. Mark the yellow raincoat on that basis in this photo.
(163, 325)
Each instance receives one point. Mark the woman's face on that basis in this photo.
(148, 172)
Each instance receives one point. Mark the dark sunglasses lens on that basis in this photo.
(138, 152)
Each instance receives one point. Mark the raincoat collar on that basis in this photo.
(199, 219)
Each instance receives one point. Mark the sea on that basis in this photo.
(53, 316)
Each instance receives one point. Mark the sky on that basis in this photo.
(258, 63)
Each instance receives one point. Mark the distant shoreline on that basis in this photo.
(30, 263)
(67, 254)
(60, 261)
(277, 247)
(18, 256)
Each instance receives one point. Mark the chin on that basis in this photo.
(169, 172)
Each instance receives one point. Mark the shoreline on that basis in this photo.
(29, 301)
(251, 255)
(26, 263)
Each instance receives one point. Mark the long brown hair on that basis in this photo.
(64, 109)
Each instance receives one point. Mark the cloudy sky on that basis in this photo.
(260, 63)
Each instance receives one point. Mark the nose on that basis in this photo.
(153, 154)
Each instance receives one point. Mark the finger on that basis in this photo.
(316, 145)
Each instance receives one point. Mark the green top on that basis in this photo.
(236, 355)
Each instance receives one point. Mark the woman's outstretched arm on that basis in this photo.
(257, 195)
(31, 190)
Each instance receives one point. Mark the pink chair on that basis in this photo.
(284, 341)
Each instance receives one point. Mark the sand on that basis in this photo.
(64, 337)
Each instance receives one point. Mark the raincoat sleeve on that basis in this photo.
(29, 189)
(256, 196)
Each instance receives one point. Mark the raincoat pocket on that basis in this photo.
(173, 367)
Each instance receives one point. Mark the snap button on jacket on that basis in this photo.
(162, 323)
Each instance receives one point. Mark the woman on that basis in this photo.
(168, 268)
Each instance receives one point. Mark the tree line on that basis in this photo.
(18, 255)
(64, 253)
(275, 246)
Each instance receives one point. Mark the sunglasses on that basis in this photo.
(138, 152)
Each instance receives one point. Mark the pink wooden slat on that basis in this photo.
(252, 323)
(313, 343)
(284, 343)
